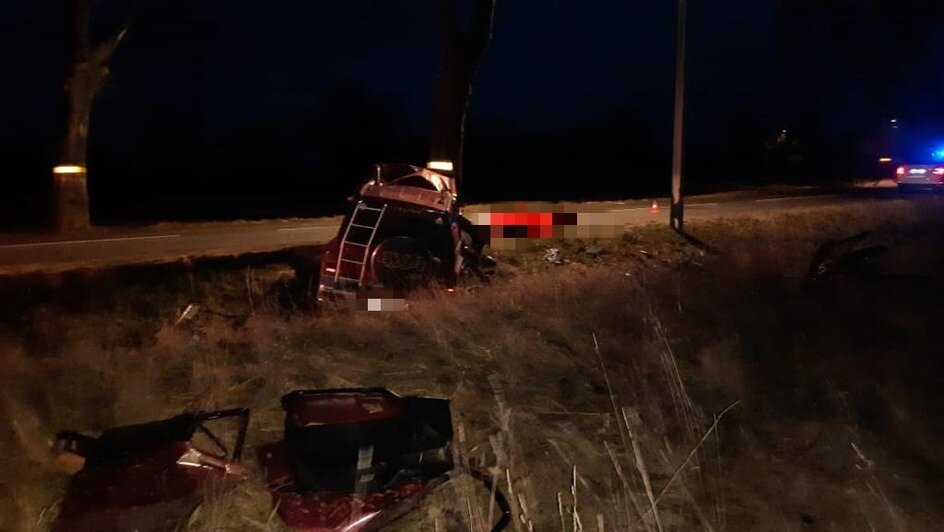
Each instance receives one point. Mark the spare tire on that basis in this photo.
(402, 262)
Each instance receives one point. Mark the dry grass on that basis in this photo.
(595, 390)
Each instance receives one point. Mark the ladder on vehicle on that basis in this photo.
(358, 237)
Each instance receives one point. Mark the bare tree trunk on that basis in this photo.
(87, 73)
(462, 47)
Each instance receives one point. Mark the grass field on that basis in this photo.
(593, 388)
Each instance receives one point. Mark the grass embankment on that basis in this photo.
(601, 377)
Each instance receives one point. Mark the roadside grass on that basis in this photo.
(592, 388)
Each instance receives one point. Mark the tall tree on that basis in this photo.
(88, 71)
(464, 31)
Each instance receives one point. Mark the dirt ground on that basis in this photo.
(721, 387)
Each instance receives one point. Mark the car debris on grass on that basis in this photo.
(349, 459)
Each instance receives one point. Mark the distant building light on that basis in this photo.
(885, 160)
(445, 166)
(68, 169)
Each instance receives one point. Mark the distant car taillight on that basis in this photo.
(939, 171)
(901, 170)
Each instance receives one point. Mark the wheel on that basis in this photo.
(402, 262)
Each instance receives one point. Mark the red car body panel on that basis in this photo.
(327, 512)
(355, 459)
(144, 477)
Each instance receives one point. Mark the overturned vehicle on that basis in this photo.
(404, 231)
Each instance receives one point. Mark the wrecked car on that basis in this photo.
(150, 476)
(360, 458)
(349, 459)
(404, 231)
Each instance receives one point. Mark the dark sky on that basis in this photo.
(552, 63)
(199, 73)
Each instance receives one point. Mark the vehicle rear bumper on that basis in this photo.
(935, 181)
(370, 298)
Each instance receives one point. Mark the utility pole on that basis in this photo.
(678, 205)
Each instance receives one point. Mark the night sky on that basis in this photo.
(229, 108)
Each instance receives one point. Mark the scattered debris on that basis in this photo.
(186, 319)
(350, 459)
(594, 251)
(187, 314)
(360, 457)
(553, 256)
(643, 257)
(146, 477)
(846, 258)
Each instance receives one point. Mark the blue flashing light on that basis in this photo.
(938, 154)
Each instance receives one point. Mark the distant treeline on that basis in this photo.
(307, 164)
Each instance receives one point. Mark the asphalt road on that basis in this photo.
(101, 247)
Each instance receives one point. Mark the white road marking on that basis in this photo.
(790, 198)
(90, 241)
(633, 209)
(776, 199)
(306, 228)
(714, 204)
(648, 208)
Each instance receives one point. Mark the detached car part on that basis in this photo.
(357, 459)
(351, 459)
(849, 257)
(149, 476)
(405, 230)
